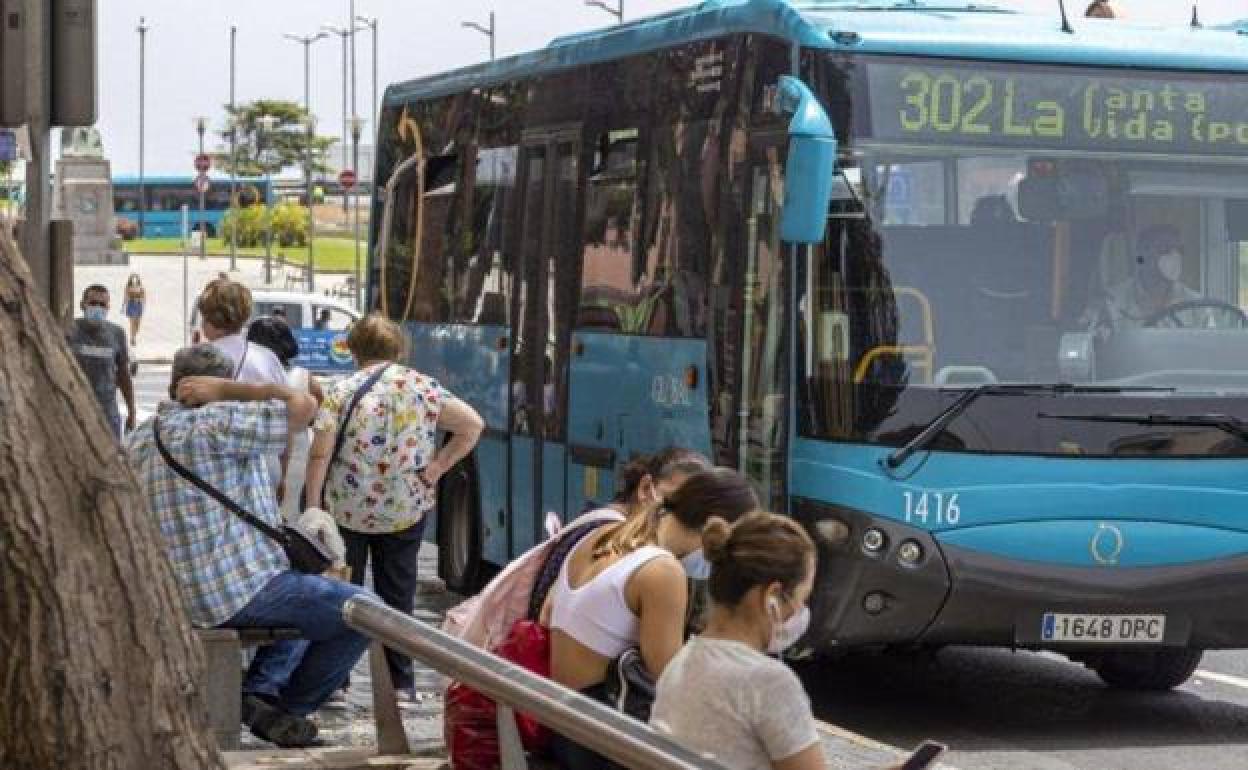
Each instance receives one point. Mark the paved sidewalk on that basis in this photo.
(353, 728)
(165, 325)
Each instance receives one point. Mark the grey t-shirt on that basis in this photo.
(100, 348)
(729, 702)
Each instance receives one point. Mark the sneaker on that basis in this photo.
(270, 723)
(337, 701)
(406, 699)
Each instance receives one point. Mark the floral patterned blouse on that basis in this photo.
(373, 486)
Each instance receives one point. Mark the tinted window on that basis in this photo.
(480, 278)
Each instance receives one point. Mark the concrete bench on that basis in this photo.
(223, 685)
(223, 674)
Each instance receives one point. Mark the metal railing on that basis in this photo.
(589, 723)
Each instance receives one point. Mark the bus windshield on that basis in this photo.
(1016, 224)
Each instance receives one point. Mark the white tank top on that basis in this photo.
(597, 614)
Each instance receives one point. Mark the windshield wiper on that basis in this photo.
(941, 421)
(1225, 422)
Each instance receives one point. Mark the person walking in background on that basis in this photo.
(722, 695)
(99, 345)
(274, 333)
(224, 307)
(136, 301)
(375, 462)
(624, 587)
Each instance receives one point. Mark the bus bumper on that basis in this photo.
(952, 595)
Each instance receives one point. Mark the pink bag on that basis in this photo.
(487, 618)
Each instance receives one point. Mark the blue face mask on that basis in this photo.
(95, 313)
(696, 566)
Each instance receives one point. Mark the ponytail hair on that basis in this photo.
(719, 492)
(759, 549)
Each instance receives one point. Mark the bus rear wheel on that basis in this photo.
(459, 530)
(1152, 670)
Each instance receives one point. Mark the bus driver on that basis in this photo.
(1153, 286)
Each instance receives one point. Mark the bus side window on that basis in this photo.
(609, 299)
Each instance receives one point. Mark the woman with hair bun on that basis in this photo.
(624, 587)
(723, 695)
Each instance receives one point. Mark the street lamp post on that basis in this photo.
(344, 33)
(201, 126)
(371, 24)
(357, 126)
(233, 129)
(142, 115)
(617, 12)
(487, 31)
(309, 124)
(306, 41)
(265, 124)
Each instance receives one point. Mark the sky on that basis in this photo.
(187, 55)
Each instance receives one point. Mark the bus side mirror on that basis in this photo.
(811, 168)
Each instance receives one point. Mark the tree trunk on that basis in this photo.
(98, 665)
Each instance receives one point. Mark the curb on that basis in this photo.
(877, 751)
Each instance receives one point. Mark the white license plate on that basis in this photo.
(1144, 629)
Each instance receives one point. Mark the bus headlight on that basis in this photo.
(910, 553)
(874, 540)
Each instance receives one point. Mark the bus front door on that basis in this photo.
(541, 320)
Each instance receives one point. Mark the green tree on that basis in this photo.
(261, 150)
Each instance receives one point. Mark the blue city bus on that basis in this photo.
(888, 260)
(159, 207)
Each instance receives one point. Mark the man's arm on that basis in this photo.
(124, 382)
(126, 385)
(197, 391)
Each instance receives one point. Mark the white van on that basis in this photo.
(303, 310)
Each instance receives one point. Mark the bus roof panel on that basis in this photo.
(1007, 36)
(944, 28)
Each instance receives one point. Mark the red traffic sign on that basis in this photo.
(202, 183)
(202, 163)
(347, 178)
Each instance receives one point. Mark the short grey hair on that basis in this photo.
(203, 360)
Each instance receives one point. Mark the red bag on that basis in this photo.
(469, 723)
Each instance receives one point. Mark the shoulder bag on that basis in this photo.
(341, 437)
(305, 552)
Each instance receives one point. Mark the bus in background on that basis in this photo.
(163, 197)
(958, 289)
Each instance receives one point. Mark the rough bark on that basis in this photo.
(98, 665)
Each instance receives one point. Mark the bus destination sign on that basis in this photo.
(1075, 109)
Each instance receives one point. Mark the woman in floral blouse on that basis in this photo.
(384, 478)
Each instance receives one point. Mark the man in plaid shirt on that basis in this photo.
(230, 574)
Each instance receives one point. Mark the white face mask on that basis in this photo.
(696, 565)
(784, 634)
(1170, 265)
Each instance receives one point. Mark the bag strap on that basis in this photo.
(216, 494)
(239, 369)
(360, 392)
(554, 563)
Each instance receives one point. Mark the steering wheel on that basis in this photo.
(1173, 312)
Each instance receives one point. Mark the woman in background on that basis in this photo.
(136, 301)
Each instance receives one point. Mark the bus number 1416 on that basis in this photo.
(932, 508)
